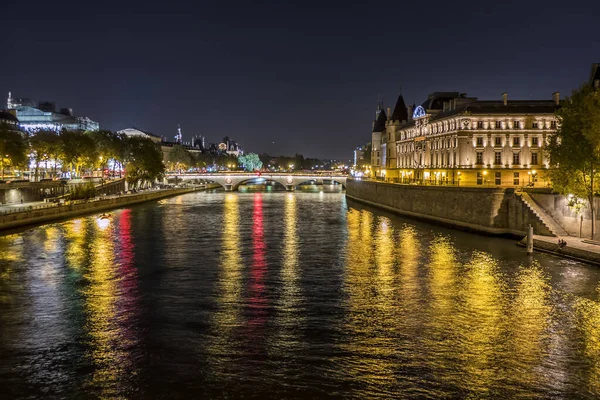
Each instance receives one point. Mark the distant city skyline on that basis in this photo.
(284, 78)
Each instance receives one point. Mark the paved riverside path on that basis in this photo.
(576, 248)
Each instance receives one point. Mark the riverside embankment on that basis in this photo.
(58, 212)
(492, 211)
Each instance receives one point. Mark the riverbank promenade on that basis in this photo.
(26, 214)
(580, 249)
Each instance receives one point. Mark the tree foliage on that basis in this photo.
(180, 157)
(13, 148)
(144, 161)
(575, 148)
(250, 162)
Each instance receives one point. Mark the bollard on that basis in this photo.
(530, 240)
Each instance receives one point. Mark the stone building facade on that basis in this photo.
(455, 139)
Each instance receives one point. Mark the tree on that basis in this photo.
(180, 157)
(144, 161)
(250, 162)
(575, 148)
(79, 150)
(108, 145)
(13, 148)
(298, 161)
(45, 146)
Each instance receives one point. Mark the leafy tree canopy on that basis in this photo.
(250, 162)
(575, 148)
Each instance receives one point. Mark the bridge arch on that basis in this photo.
(318, 180)
(232, 181)
(236, 186)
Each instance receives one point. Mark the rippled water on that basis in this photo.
(278, 295)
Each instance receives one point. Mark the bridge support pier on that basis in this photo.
(290, 188)
(228, 188)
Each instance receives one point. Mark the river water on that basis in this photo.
(288, 295)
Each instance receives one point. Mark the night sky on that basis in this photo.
(283, 77)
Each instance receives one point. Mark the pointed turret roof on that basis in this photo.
(379, 125)
(400, 112)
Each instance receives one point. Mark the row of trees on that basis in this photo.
(179, 158)
(75, 153)
(575, 148)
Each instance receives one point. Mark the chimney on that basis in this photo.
(597, 84)
(410, 112)
(556, 97)
(505, 98)
(373, 125)
(389, 112)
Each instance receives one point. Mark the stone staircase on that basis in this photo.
(546, 219)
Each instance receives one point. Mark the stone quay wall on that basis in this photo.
(44, 215)
(495, 211)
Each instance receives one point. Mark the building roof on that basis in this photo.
(400, 112)
(379, 125)
(6, 116)
(435, 101)
(496, 107)
(136, 131)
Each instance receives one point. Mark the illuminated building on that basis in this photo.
(454, 139)
(135, 132)
(44, 116)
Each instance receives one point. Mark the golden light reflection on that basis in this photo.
(8, 244)
(289, 272)
(588, 324)
(289, 317)
(384, 250)
(442, 274)
(76, 235)
(11, 252)
(531, 313)
(231, 263)
(227, 317)
(109, 306)
(408, 253)
(371, 305)
(481, 324)
(52, 236)
(100, 306)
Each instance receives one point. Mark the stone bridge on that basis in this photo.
(232, 180)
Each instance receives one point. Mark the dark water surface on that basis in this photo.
(278, 295)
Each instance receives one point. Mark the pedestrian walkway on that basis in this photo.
(580, 249)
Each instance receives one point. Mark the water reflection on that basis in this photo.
(110, 305)
(371, 307)
(258, 302)
(289, 315)
(277, 295)
(227, 317)
(587, 313)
